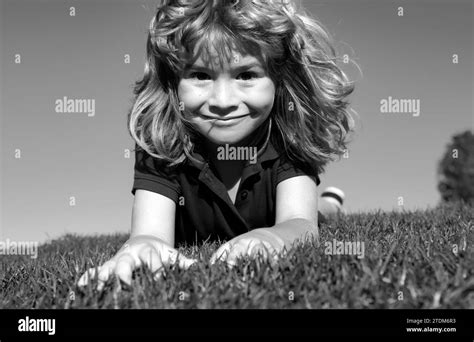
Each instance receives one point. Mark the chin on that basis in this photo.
(222, 138)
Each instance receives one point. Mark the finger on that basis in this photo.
(185, 262)
(251, 245)
(221, 253)
(106, 270)
(151, 258)
(125, 265)
(269, 248)
(87, 276)
(238, 250)
(101, 272)
(243, 247)
(104, 273)
(271, 251)
(258, 249)
(173, 256)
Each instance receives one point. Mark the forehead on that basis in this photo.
(207, 55)
(236, 61)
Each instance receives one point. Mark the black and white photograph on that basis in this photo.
(236, 167)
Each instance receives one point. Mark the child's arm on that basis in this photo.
(296, 210)
(151, 241)
(296, 218)
(152, 210)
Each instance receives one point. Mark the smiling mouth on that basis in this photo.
(224, 118)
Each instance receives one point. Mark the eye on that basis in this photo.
(200, 76)
(192, 75)
(248, 73)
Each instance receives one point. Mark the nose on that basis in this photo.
(223, 99)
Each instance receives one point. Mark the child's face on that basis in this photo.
(227, 104)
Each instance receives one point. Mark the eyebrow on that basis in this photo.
(238, 67)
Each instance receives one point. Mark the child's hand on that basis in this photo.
(256, 241)
(142, 249)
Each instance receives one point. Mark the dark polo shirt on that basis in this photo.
(204, 210)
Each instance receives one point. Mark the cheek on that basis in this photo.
(263, 98)
(189, 96)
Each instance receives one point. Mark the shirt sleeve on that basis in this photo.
(151, 174)
(287, 169)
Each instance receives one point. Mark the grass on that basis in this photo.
(409, 263)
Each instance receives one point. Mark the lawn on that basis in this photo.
(419, 259)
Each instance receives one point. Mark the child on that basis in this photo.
(240, 108)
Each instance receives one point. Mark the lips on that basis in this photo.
(224, 118)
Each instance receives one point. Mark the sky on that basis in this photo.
(47, 157)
